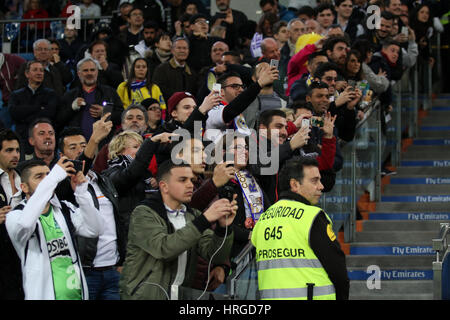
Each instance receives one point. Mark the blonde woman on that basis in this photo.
(129, 159)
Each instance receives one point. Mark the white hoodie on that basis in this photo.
(21, 226)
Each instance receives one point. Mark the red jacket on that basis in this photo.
(296, 66)
(36, 14)
(326, 157)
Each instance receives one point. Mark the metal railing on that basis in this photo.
(441, 274)
(17, 36)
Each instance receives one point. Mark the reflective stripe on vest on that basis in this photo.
(295, 292)
(285, 261)
(288, 263)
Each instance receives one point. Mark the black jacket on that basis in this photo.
(10, 266)
(327, 251)
(129, 181)
(26, 106)
(66, 116)
(56, 77)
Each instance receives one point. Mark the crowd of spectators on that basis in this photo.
(115, 100)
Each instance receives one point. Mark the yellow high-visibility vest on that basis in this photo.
(285, 261)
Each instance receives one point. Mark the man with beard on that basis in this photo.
(149, 33)
(318, 96)
(10, 196)
(84, 105)
(377, 36)
(43, 229)
(341, 104)
(336, 50)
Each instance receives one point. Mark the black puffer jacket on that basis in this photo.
(128, 177)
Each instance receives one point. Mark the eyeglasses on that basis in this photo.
(329, 79)
(42, 49)
(202, 21)
(235, 86)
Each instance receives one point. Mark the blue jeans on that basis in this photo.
(103, 285)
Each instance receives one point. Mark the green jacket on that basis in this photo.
(154, 246)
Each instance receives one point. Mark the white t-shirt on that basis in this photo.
(12, 199)
(216, 127)
(178, 220)
(107, 253)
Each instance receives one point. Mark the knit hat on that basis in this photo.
(176, 98)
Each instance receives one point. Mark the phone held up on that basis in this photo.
(107, 108)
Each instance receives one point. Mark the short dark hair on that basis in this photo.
(223, 78)
(30, 63)
(316, 85)
(265, 118)
(68, 132)
(307, 10)
(294, 169)
(165, 168)
(131, 107)
(234, 54)
(324, 67)
(25, 167)
(314, 55)
(331, 42)
(323, 7)
(277, 26)
(301, 104)
(151, 25)
(387, 15)
(262, 3)
(337, 3)
(35, 122)
(7, 135)
(97, 42)
(389, 42)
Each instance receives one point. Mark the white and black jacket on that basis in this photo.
(27, 235)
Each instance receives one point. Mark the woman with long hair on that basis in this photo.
(139, 86)
(264, 29)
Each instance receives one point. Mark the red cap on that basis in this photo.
(176, 98)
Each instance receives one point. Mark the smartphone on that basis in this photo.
(305, 123)
(405, 31)
(107, 107)
(274, 63)
(217, 87)
(221, 15)
(317, 122)
(77, 164)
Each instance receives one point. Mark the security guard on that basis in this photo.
(297, 253)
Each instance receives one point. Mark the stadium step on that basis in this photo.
(393, 244)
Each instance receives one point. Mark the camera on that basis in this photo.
(226, 192)
(77, 164)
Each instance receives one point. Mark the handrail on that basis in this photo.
(19, 20)
(440, 245)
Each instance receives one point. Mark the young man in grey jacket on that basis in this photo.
(165, 237)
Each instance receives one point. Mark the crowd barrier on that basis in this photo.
(17, 36)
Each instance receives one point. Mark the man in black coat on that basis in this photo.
(31, 102)
(82, 106)
(56, 76)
